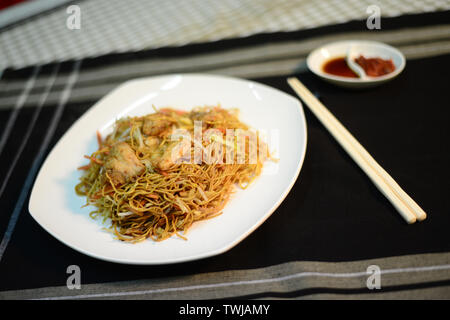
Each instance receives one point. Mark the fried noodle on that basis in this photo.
(145, 193)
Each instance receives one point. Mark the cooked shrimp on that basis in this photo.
(122, 164)
(155, 124)
(152, 142)
(174, 154)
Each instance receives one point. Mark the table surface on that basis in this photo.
(332, 226)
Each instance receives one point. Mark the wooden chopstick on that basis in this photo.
(406, 206)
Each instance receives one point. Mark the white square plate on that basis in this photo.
(56, 207)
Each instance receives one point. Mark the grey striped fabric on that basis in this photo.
(345, 280)
(261, 60)
(108, 26)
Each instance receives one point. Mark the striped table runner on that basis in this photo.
(303, 251)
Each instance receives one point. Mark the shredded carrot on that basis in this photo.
(104, 150)
(95, 196)
(86, 167)
(152, 195)
(133, 210)
(99, 139)
(106, 191)
(163, 173)
(168, 110)
(98, 161)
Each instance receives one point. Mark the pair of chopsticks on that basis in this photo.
(406, 206)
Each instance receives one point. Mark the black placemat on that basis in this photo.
(333, 212)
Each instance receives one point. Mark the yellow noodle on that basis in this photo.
(157, 204)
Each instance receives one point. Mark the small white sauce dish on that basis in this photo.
(369, 49)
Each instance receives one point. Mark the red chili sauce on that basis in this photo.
(338, 67)
(373, 67)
